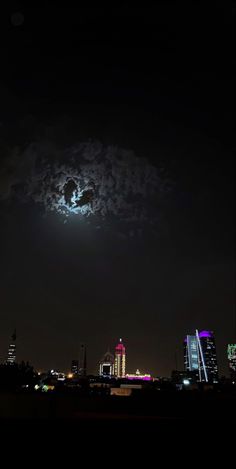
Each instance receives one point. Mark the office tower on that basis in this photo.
(200, 357)
(207, 342)
(191, 356)
(11, 355)
(75, 367)
(120, 360)
(231, 352)
(106, 365)
(83, 360)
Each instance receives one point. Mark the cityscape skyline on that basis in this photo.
(114, 365)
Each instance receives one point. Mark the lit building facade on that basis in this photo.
(11, 355)
(120, 360)
(231, 352)
(200, 357)
(191, 355)
(138, 376)
(106, 365)
(75, 367)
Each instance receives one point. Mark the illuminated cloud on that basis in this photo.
(87, 179)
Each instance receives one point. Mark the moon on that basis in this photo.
(17, 18)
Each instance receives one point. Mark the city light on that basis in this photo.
(138, 375)
(186, 382)
(120, 360)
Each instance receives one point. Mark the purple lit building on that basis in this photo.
(200, 357)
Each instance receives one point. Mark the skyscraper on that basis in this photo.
(232, 361)
(200, 356)
(83, 360)
(120, 358)
(75, 367)
(11, 355)
(106, 365)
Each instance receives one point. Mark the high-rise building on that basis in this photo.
(83, 360)
(75, 367)
(11, 355)
(106, 365)
(191, 356)
(232, 360)
(120, 358)
(200, 356)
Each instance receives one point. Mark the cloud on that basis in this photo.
(86, 179)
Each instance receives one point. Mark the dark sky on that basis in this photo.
(156, 81)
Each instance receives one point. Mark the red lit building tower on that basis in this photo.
(119, 368)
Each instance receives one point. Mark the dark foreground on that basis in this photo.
(142, 425)
(189, 406)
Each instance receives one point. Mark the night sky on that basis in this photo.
(134, 106)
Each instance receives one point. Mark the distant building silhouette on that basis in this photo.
(120, 360)
(200, 356)
(83, 360)
(106, 365)
(11, 355)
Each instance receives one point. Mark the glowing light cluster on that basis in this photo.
(231, 351)
(139, 376)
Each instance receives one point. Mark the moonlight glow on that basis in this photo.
(88, 179)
